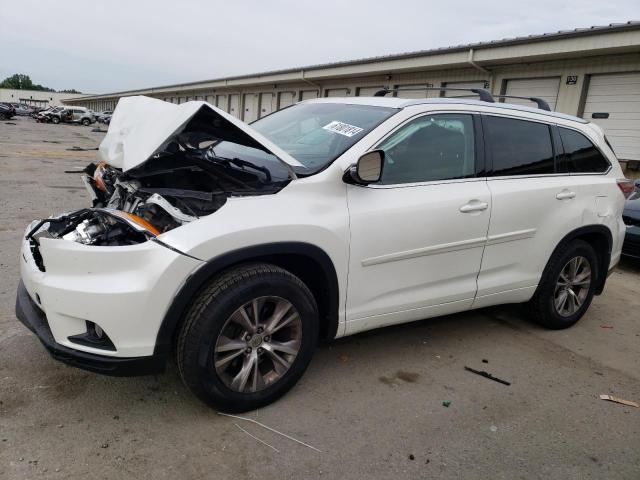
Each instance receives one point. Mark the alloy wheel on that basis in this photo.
(258, 344)
(572, 286)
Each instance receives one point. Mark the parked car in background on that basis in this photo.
(106, 119)
(631, 218)
(22, 109)
(46, 115)
(10, 106)
(6, 111)
(236, 247)
(33, 110)
(101, 115)
(73, 115)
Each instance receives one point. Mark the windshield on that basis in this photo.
(316, 134)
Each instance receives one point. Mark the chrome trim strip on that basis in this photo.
(511, 236)
(422, 252)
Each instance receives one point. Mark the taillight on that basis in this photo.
(626, 186)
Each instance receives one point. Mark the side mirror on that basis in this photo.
(368, 169)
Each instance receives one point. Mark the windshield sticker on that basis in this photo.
(343, 128)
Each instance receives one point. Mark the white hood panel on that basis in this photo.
(140, 125)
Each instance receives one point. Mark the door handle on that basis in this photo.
(474, 206)
(566, 195)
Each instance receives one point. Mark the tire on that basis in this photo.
(547, 306)
(55, 120)
(3, 116)
(86, 122)
(212, 328)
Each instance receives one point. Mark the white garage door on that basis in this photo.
(308, 94)
(234, 104)
(285, 99)
(368, 91)
(454, 93)
(415, 92)
(544, 88)
(336, 92)
(266, 104)
(221, 102)
(616, 97)
(250, 103)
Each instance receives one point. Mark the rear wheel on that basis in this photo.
(248, 337)
(3, 116)
(567, 287)
(55, 120)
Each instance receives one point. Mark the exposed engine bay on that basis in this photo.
(190, 174)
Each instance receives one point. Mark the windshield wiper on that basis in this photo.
(240, 163)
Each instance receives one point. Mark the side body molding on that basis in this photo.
(282, 254)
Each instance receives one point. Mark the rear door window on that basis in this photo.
(580, 155)
(519, 147)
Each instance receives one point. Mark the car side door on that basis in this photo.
(417, 235)
(535, 205)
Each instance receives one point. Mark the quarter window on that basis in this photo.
(519, 147)
(430, 148)
(580, 155)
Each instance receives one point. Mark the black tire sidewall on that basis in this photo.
(575, 249)
(210, 322)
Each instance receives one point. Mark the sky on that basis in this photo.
(115, 45)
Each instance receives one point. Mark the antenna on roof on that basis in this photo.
(484, 95)
(542, 104)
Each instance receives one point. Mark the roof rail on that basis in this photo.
(542, 104)
(484, 95)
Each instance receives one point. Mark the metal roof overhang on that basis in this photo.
(579, 43)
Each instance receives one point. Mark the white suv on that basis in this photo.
(237, 247)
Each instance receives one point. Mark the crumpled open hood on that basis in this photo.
(141, 125)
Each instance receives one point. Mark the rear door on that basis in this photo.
(417, 237)
(534, 207)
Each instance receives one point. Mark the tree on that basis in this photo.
(20, 81)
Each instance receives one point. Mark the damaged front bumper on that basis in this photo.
(35, 320)
(71, 291)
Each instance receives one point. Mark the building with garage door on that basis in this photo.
(589, 72)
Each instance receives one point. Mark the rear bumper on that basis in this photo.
(35, 320)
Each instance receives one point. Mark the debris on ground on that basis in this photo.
(621, 401)
(412, 457)
(607, 326)
(270, 429)
(484, 374)
(493, 428)
(484, 360)
(446, 403)
(256, 438)
(98, 130)
(344, 358)
(80, 149)
(409, 377)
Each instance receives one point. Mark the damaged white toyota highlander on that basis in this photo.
(236, 247)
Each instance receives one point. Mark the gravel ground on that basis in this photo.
(372, 403)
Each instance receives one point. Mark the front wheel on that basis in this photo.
(86, 122)
(248, 337)
(55, 120)
(567, 287)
